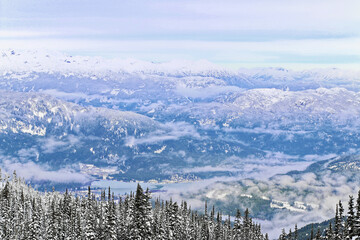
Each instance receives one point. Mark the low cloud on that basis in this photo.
(319, 191)
(52, 144)
(76, 96)
(28, 153)
(169, 131)
(315, 157)
(261, 168)
(209, 169)
(205, 92)
(35, 172)
(321, 195)
(266, 130)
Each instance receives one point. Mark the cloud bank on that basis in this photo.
(32, 171)
(232, 32)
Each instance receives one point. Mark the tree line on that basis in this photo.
(26, 213)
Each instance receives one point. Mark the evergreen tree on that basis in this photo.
(28, 214)
(227, 229)
(312, 232)
(318, 234)
(266, 236)
(290, 235)
(35, 225)
(142, 214)
(247, 225)
(90, 218)
(351, 217)
(218, 229)
(356, 231)
(238, 231)
(337, 224)
(282, 235)
(341, 221)
(329, 234)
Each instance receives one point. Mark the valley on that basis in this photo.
(273, 140)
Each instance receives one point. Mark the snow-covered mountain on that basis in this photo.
(242, 132)
(22, 64)
(153, 120)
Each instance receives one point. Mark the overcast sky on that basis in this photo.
(234, 33)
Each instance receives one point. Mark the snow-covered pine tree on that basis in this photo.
(175, 221)
(35, 224)
(295, 232)
(329, 233)
(290, 235)
(227, 229)
(110, 219)
(356, 231)
(247, 225)
(266, 236)
(90, 218)
(318, 234)
(142, 215)
(28, 214)
(342, 220)
(185, 219)
(351, 217)
(147, 211)
(238, 228)
(53, 227)
(218, 231)
(282, 235)
(204, 231)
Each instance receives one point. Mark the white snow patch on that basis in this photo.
(160, 150)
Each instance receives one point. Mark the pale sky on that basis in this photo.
(237, 33)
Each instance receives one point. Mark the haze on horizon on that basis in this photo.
(231, 33)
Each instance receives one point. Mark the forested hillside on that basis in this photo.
(342, 226)
(29, 214)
